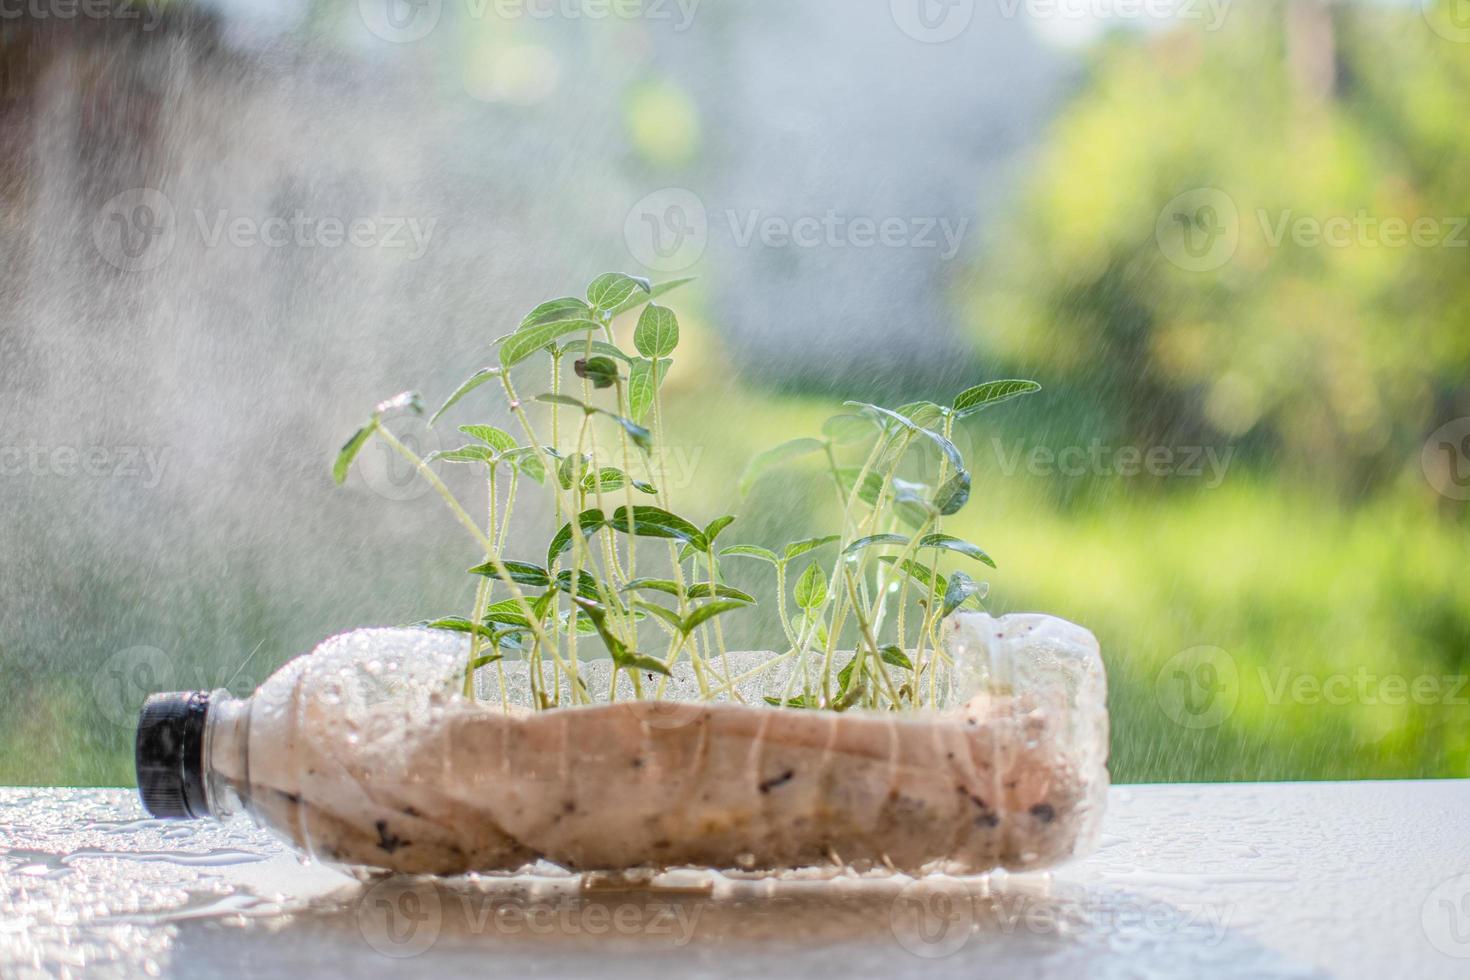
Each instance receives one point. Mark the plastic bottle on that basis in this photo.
(363, 753)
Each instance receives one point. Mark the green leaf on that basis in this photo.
(589, 520)
(972, 400)
(920, 573)
(610, 478)
(616, 648)
(457, 624)
(908, 490)
(601, 371)
(951, 452)
(667, 615)
(800, 701)
(570, 469)
(564, 623)
(349, 451)
(657, 333)
(567, 400)
(811, 588)
(521, 573)
(484, 660)
(955, 493)
(655, 522)
(819, 628)
(846, 429)
(871, 489)
(528, 461)
(871, 540)
(922, 413)
(644, 380)
(775, 456)
(507, 612)
(951, 543)
(497, 439)
(528, 340)
(653, 585)
(961, 589)
(895, 657)
(658, 290)
(750, 551)
(641, 437)
(850, 697)
(612, 289)
(586, 584)
(703, 590)
(797, 548)
(713, 528)
(636, 661)
(475, 380)
(885, 416)
(464, 454)
(562, 310)
(707, 612)
(601, 347)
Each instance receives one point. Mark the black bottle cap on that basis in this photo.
(169, 755)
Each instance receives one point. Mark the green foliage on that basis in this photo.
(658, 332)
(587, 585)
(1310, 326)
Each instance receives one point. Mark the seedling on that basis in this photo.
(859, 608)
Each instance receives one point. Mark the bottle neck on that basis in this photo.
(226, 754)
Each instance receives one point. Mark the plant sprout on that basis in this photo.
(622, 569)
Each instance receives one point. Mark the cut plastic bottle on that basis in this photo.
(364, 754)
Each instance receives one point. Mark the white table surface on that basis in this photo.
(1367, 879)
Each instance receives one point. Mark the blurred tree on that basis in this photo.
(1257, 235)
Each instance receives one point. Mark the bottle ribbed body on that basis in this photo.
(364, 753)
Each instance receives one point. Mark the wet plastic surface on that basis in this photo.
(1249, 880)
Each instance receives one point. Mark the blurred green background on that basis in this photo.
(1238, 251)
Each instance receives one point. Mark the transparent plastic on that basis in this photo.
(363, 753)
